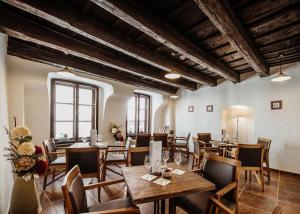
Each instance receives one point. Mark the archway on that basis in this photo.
(238, 123)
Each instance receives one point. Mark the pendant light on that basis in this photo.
(66, 72)
(172, 76)
(281, 76)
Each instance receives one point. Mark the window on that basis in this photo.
(138, 115)
(73, 109)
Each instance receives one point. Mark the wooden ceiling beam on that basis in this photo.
(222, 16)
(66, 17)
(22, 28)
(45, 55)
(150, 24)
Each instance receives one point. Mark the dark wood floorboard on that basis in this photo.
(283, 190)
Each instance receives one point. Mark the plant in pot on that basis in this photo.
(29, 162)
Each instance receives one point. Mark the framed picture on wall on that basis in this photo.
(276, 105)
(191, 109)
(209, 108)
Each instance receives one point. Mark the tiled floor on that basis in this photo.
(283, 190)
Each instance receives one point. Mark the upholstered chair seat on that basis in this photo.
(59, 161)
(197, 202)
(111, 205)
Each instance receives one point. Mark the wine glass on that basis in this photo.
(99, 137)
(84, 140)
(163, 167)
(166, 156)
(147, 163)
(177, 158)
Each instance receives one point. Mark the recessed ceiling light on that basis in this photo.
(172, 76)
(66, 72)
(174, 96)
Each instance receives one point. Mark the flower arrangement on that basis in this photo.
(114, 128)
(26, 157)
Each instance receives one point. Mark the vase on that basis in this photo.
(24, 199)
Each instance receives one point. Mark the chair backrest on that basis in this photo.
(171, 132)
(87, 159)
(143, 140)
(267, 145)
(205, 137)
(136, 156)
(74, 192)
(49, 146)
(222, 171)
(161, 137)
(250, 155)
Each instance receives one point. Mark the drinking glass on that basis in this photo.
(84, 140)
(177, 158)
(163, 166)
(147, 163)
(166, 156)
(99, 137)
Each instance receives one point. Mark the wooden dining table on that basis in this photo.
(142, 191)
(222, 145)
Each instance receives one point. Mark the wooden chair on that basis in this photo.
(143, 140)
(55, 163)
(224, 173)
(267, 145)
(205, 139)
(161, 137)
(197, 156)
(114, 156)
(136, 156)
(75, 197)
(88, 161)
(182, 144)
(251, 157)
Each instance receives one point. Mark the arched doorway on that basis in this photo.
(238, 123)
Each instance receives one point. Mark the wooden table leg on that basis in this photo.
(163, 206)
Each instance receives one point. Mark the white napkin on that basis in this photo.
(178, 172)
(162, 182)
(148, 177)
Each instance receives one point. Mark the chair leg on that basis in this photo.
(262, 180)
(250, 176)
(268, 169)
(193, 162)
(45, 178)
(53, 174)
(99, 190)
(246, 173)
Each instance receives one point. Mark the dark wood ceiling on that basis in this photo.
(142, 38)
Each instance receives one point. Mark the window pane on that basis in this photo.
(85, 113)
(142, 126)
(64, 112)
(130, 127)
(131, 103)
(131, 114)
(84, 129)
(142, 115)
(142, 103)
(63, 130)
(64, 94)
(85, 96)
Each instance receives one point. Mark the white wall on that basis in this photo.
(29, 99)
(6, 176)
(282, 126)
